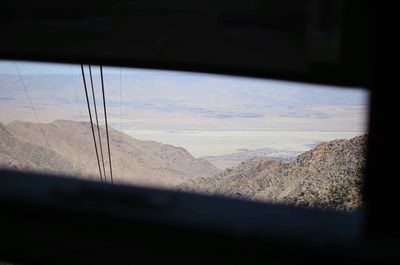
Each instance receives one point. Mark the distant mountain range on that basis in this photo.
(234, 159)
(158, 100)
(69, 150)
(328, 176)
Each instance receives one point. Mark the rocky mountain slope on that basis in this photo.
(69, 150)
(328, 176)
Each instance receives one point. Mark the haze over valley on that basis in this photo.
(255, 139)
(329, 175)
(69, 150)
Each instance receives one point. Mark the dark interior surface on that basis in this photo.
(313, 41)
(87, 222)
(47, 220)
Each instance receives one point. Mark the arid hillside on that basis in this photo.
(328, 176)
(69, 150)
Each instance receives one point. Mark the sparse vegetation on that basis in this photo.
(329, 176)
(70, 152)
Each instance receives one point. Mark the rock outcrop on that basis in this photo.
(328, 176)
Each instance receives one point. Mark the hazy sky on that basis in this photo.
(180, 101)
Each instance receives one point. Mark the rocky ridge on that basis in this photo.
(328, 176)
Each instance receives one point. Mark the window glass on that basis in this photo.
(247, 138)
